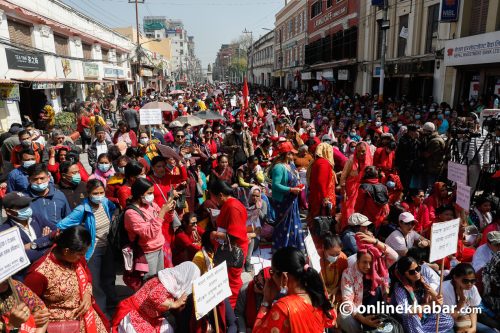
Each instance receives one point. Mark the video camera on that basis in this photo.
(491, 123)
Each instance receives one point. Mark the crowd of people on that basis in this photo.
(160, 205)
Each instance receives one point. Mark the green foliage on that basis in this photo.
(66, 121)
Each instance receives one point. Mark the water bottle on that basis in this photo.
(453, 262)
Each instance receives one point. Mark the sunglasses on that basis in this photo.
(193, 223)
(414, 271)
(179, 136)
(467, 281)
(409, 223)
(208, 132)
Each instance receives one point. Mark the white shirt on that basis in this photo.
(481, 257)
(102, 148)
(28, 230)
(431, 276)
(472, 297)
(401, 244)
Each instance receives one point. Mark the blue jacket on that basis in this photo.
(83, 215)
(17, 180)
(51, 208)
(43, 242)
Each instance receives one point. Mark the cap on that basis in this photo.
(358, 219)
(99, 129)
(286, 147)
(493, 236)
(175, 123)
(406, 217)
(16, 199)
(428, 126)
(326, 138)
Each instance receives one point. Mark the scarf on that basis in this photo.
(83, 282)
(378, 271)
(179, 279)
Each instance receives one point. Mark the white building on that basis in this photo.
(51, 52)
(262, 60)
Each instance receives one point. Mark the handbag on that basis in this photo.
(231, 254)
(66, 326)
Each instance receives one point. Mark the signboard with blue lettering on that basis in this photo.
(449, 10)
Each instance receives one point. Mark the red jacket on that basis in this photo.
(163, 185)
(422, 216)
(383, 160)
(366, 204)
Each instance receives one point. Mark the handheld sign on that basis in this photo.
(150, 116)
(233, 101)
(314, 258)
(210, 289)
(286, 110)
(457, 172)
(13, 257)
(306, 113)
(463, 196)
(444, 239)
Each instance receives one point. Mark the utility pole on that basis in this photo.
(138, 83)
(281, 63)
(251, 52)
(384, 26)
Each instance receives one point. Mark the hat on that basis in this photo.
(286, 147)
(493, 236)
(16, 199)
(429, 127)
(99, 129)
(15, 128)
(326, 138)
(358, 219)
(406, 217)
(175, 123)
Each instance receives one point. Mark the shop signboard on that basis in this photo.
(319, 75)
(113, 72)
(328, 74)
(46, 85)
(306, 76)
(90, 70)
(449, 10)
(147, 72)
(477, 49)
(18, 59)
(343, 74)
(376, 71)
(9, 92)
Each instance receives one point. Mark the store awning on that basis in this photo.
(8, 81)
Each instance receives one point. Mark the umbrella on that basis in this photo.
(176, 92)
(191, 120)
(209, 115)
(159, 105)
(167, 152)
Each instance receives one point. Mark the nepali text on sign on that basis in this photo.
(210, 289)
(13, 257)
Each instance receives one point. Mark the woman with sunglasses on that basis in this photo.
(409, 287)
(419, 210)
(404, 237)
(301, 289)
(459, 290)
(187, 239)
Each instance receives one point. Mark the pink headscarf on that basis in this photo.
(378, 274)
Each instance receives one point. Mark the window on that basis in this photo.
(61, 44)
(432, 28)
(105, 55)
(316, 8)
(87, 51)
(19, 32)
(328, 3)
(403, 35)
(479, 15)
(379, 42)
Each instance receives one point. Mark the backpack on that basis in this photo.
(118, 236)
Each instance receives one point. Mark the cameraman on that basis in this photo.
(407, 159)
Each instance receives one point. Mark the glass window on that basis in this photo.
(316, 8)
(432, 28)
(402, 39)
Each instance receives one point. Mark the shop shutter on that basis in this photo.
(87, 51)
(61, 44)
(19, 32)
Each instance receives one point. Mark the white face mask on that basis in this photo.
(332, 259)
(144, 141)
(312, 134)
(148, 199)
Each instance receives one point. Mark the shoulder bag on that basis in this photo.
(231, 254)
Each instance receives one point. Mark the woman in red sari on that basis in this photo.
(438, 197)
(303, 307)
(231, 222)
(419, 209)
(351, 179)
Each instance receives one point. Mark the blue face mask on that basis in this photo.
(121, 170)
(440, 117)
(27, 164)
(25, 213)
(76, 179)
(390, 184)
(40, 187)
(104, 167)
(97, 199)
(417, 116)
(447, 113)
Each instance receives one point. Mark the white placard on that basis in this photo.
(13, 257)
(233, 101)
(457, 172)
(285, 109)
(463, 196)
(343, 74)
(150, 117)
(210, 289)
(306, 113)
(444, 239)
(314, 258)
(404, 33)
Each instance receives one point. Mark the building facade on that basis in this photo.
(261, 59)
(290, 30)
(52, 53)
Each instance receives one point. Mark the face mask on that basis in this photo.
(332, 259)
(447, 113)
(378, 123)
(121, 169)
(353, 133)
(27, 164)
(432, 110)
(76, 179)
(312, 134)
(97, 199)
(24, 214)
(417, 116)
(103, 167)
(337, 113)
(148, 199)
(440, 117)
(40, 187)
(352, 149)
(390, 184)
(26, 143)
(348, 114)
(389, 114)
(144, 141)
(142, 176)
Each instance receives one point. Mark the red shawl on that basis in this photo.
(378, 271)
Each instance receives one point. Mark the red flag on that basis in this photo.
(260, 112)
(245, 99)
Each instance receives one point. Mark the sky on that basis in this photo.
(211, 22)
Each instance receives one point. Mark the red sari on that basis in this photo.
(292, 314)
(233, 218)
(321, 185)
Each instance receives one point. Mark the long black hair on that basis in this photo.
(293, 261)
(397, 272)
(460, 270)
(75, 239)
(140, 186)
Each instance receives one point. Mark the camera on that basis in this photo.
(455, 131)
(491, 123)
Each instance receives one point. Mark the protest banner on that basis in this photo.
(457, 172)
(210, 289)
(150, 116)
(13, 257)
(233, 101)
(312, 253)
(463, 196)
(286, 111)
(306, 113)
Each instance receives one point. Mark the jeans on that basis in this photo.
(102, 267)
(155, 263)
(113, 118)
